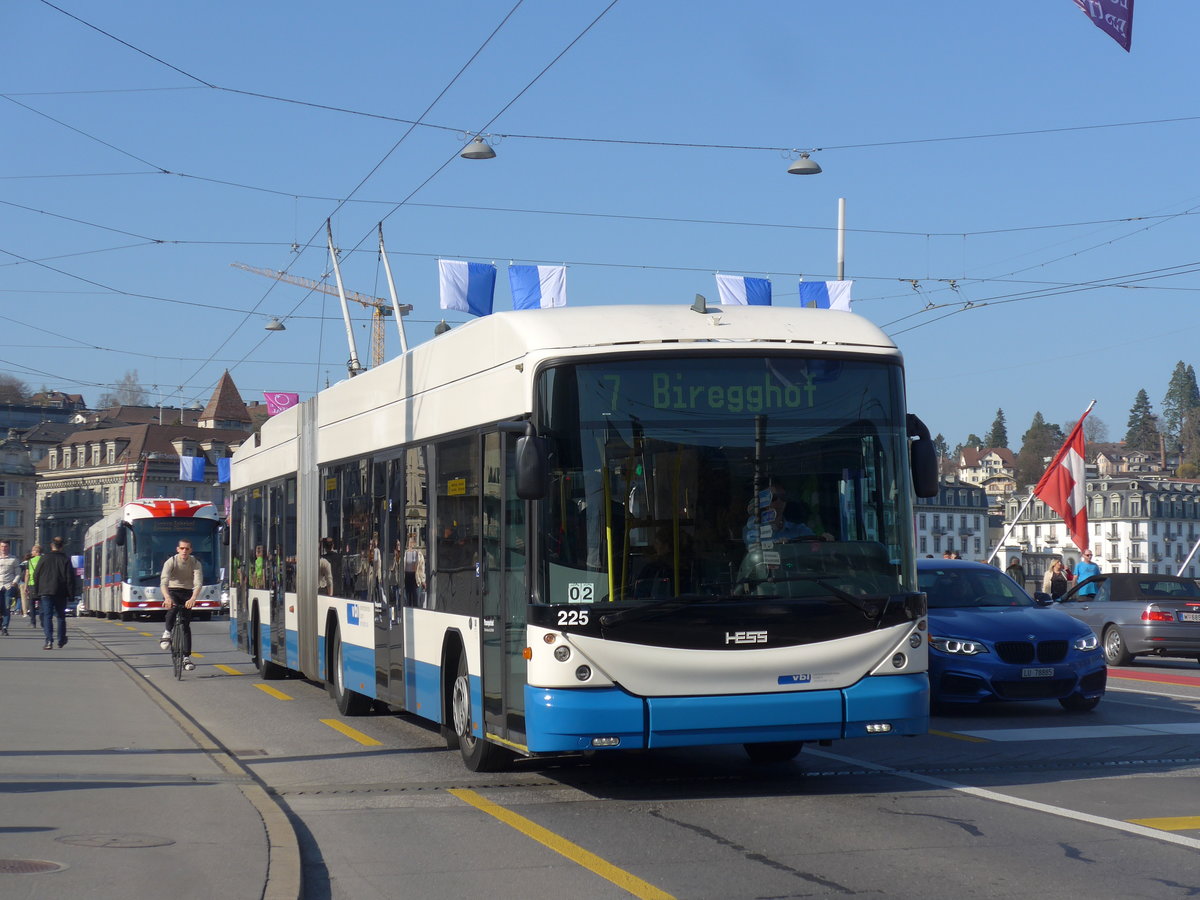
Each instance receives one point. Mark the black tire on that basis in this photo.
(1115, 651)
(773, 751)
(1079, 703)
(267, 670)
(177, 646)
(349, 703)
(477, 754)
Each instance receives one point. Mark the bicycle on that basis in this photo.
(177, 656)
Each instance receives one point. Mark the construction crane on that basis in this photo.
(380, 308)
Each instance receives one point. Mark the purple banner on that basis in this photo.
(1113, 17)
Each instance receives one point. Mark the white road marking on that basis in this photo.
(982, 793)
(1081, 732)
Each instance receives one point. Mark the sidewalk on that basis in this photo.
(108, 792)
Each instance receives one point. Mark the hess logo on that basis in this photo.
(745, 637)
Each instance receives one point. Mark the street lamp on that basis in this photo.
(804, 166)
(478, 149)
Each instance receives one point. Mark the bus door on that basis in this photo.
(389, 597)
(504, 592)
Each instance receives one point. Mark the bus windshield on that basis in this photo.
(154, 542)
(725, 477)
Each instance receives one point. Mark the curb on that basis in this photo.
(284, 870)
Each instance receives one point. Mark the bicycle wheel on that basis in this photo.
(177, 645)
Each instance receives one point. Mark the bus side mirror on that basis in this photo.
(531, 465)
(225, 534)
(120, 535)
(922, 458)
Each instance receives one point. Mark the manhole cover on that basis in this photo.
(121, 841)
(28, 866)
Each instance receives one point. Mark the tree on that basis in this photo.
(128, 392)
(1142, 433)
(973, 440)
(1189, 441)
(1182, 395)
(940, 445)
(1095, 431)
(998, 436)
(13, 389)
(1038, 445)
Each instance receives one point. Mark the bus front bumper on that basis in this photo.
(562, 720)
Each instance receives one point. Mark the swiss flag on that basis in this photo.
(1062, 487)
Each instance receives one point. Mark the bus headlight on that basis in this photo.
(583, 673)
(562, 652)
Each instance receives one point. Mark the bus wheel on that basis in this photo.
(349, 703)
(478, 755)
(773, 751)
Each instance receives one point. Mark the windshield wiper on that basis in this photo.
(645, 610)
(868, 604)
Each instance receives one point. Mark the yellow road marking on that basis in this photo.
(277, 694)
(130, 628)
(197, 655)
(626, 881)
(228, 670)
(145, 634)
(352, 733)
(959, 737)
(1170, 823)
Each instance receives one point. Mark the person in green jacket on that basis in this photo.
(31, 598)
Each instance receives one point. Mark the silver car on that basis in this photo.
(1138, 615)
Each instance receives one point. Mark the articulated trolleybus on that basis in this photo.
(576, 529)
(124, 555)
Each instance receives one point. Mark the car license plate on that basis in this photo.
(1037, 673)
(1189, 617)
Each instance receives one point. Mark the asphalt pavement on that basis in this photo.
(108, 790)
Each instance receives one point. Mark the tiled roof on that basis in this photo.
(226, 403)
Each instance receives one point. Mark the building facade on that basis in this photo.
(18, 494)
(955, 520)
(1135, 524)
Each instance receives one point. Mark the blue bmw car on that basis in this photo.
(989, 640)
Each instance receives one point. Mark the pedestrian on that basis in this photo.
(181, 582)
(10, 585)
(1054, 582)
(31, 597)
(55, 582)
(947, 554)
(1016, 571)
(1085, 570)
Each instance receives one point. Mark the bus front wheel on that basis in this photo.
(478, 755)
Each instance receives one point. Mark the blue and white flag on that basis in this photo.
(538, 287)
(826, 294)
(191, 468)
(467, 286)
(738, 290)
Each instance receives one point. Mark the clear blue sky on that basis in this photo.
(108, 264)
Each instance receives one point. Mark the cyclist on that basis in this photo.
(181, 582)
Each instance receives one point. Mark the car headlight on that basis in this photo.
(1088, 642)
(954, 645)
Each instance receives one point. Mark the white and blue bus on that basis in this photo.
(124, 553)
(575, 529)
